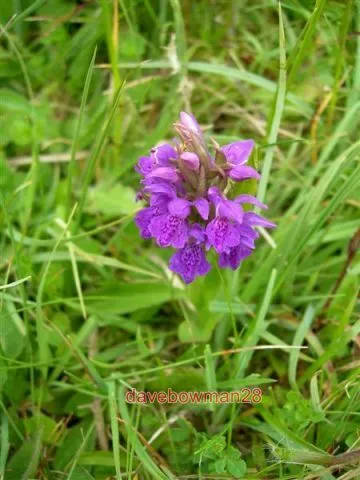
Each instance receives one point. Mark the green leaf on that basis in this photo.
(4, 442)
(190, 332)
(24, 463)
(49, 427)
(126, 297)
(72, 443)
(3, 373)
(236, 467)
(12, 101)
(186, 379)
(233, 453)
(80, 473)
(12, 331)
(20, 132)
(199, 325)
(131, 46)
(181, 434)
(213, 447)
(111, 201)
(220, 465)
(62, 322)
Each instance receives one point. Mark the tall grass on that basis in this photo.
(89, 310)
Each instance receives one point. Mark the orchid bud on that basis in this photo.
(189, 121)
(191, 160)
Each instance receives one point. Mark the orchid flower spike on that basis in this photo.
(186, 206)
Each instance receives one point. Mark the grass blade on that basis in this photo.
(225, 71)
(113, 411)
(254, 333)
(306, 40)
(5, 443)
(145, 459)
(341, 54)
(75, 142)
(96, 154)
(42, 337)
(298, 340)
(275, 119)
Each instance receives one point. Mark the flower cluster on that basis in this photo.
(187, 208)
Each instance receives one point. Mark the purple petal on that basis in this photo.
(253, 219)
(142, 220)
(203, 207)
(191, 160)
(230, 210)
(189, 262)
(214, 195)
(222, 234)
(165, 173)
(144, 165)
(164, 188)
(248, 236)
(234, 256)
(243, 173)
(162, 154)
(250, 199)
(198, 233)
(223, 260)
(237, 153)
(159, 200)
(247, 231)
(204, 267)
(179, 207)
(144, 217)
(169, 230)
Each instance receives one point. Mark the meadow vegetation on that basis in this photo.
(90, 310)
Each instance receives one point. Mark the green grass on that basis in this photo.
(88, 309)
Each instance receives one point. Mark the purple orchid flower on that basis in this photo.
(203, 207)
(222, 234)
(144, 166)
(171, 229)
(186, 205)
(163, 154)
(189, 262)
(168, 174)
(160, 156)
(145, 216)
(234, 256)
(237, 154)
